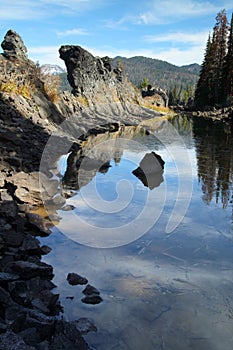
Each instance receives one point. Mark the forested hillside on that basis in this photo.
(159, 73)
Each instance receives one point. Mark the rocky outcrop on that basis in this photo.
(156, 96)
(94, 79)
(13, 45)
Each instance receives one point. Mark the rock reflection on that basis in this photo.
(150, 170)
(95, 155)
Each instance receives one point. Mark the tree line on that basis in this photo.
(215, 84)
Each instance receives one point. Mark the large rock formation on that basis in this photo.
(13, 45)
(94, 79)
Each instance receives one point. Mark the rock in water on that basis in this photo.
(89, 290)
(150, 170)
(92, 295)
(75, 279)
(92, 299)
(13, 45)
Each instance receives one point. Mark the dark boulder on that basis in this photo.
(13, 45)
(89, 290)
(92, 299)
(150, 170)
(92, 295)
(75, 279)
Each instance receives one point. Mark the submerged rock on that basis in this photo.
(75, 279)
(92, 299)
(84, 325)
(92, 295)
(90, 290)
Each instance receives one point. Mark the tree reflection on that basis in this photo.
(214, 151)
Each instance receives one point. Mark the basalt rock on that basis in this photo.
(94, 79)
(13, 45)
(150, 170)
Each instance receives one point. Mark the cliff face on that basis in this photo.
(28, 116)
(94, 79)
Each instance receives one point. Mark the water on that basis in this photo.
(164, 286)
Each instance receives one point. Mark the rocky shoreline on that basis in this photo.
(224, 114)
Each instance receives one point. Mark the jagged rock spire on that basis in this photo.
(13, 45)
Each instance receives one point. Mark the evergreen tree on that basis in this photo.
(203, 89)
(219, 46)
(209, 90)
(227, 75)
(145, 83)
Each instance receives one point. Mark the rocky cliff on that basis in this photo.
(94, 79)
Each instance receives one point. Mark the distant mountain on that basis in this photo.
(52, 69)
(159, 73)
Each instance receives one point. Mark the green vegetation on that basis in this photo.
(162, 74)
(215, 84)
(144, 84)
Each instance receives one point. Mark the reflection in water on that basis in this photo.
(150, 170)
(214, 150)
(161, 291)
(95, 155)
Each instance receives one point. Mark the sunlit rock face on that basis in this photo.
(94, 79)
(13, 45)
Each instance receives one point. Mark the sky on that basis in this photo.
(172, 31)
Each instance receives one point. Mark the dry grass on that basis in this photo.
(51, 86)
(83, 100)
(159, 109)
(25, 81)
(12, 87)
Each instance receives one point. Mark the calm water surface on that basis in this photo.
(161, 290)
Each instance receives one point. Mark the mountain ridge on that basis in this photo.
(159, 73)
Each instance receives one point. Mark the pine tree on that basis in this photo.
(227, 75)
(203, 89)
(219, 46)
(209, 90)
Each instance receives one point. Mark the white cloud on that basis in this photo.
(50, 54)
(175, 56)
(182, 57)
(18, 9)
(46, 55)
(169, 11)
(116, 24)
(75, 31)
(36, 9)
(199, 38)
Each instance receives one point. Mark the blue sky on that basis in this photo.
(173, 31)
